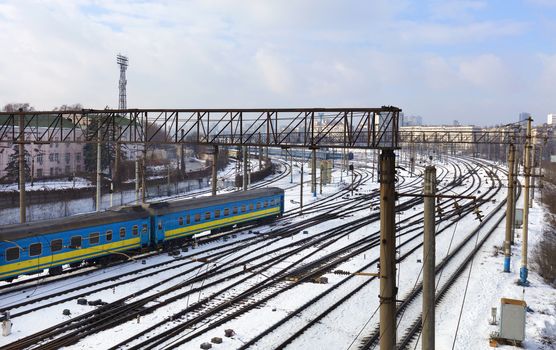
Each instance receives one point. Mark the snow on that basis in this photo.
(352, 320)
(48, 185)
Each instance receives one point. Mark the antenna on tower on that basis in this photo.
(123, 63)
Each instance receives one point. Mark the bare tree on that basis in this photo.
(71, 107)
(15, 107)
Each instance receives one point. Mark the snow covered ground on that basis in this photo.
(352, 321)
(44, 185)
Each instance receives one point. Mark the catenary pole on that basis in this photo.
(429, 259)
(387, 251)
(510, 203)
(527, 170)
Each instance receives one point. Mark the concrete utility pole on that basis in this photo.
(21, 162)
(214, 170)
(98, 168)
(301, 189)
(387, 251)
(527, 170)
(429, 260)
(291, 166)
(168, 180)
(314, 172)
(182, 156)
(320, 179)
(261, 154)
(136, 174)
(516, 171)
(143, 176)
(117, 174)
(245, 168)
(533, 171)
(510, 208)
(352, 177)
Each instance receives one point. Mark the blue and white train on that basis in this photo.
(99, 237)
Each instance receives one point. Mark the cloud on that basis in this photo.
(455, 9)
(275, 72)
(450, 34)
(485, 71)
(216, 53)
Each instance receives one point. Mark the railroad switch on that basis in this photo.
(361, 273)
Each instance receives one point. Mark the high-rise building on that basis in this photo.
(551, 118)
(523, 116)
(411, 120)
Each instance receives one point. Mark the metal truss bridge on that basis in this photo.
(370, 128)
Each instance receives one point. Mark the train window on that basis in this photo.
(55, 245)
(217, 213)
(94, 238)
(272, 203)
(234, 210)
(122, 232)
(251, 206)
(243, 208)
(35, 249)
(258, 205)
(207, 215)
(188, 219)
(265, 204)
(180, 221)
(135, 230)
(75, 242)
(12, 253)
(160, 225)
(144, 228)
(226, 211)
(197, 217)
(108, 235)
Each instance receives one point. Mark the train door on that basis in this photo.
(159, 229)
(145, 233)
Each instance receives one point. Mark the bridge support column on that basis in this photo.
(510, 209)
(387, 271)
(245, 168)
(99, 158)
(314, 172)
(429, 260)
(21, 164)
(214, 180)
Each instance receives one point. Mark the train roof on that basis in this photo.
(120, 214)
(32, 229)
(161, 208)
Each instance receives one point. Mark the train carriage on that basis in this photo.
(32, 247)
(181, 219)
(97, 237)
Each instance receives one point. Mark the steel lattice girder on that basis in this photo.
(287, 127)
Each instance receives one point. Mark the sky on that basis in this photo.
(479, 62)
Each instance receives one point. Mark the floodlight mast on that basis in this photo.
(123, 63)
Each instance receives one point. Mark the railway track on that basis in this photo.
(255, 294)
(295, 231)
(296, 314)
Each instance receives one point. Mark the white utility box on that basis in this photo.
(512, 319)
